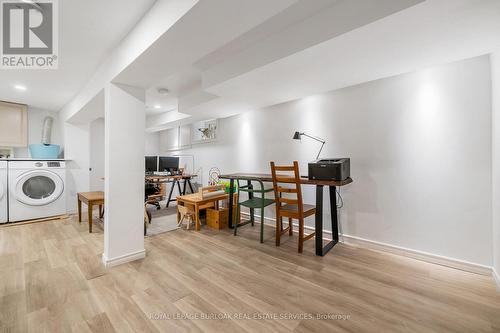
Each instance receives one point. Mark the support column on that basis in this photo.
(495, 146)
(125, 124)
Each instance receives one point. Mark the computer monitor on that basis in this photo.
(151, 164)
(168, 163)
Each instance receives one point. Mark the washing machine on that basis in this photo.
(3, 192)
(36, 189)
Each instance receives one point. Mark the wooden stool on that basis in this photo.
(185, 212)
(91, 199)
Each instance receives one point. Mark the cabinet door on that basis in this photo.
(184, 136)
(13, 125)
(172, 139)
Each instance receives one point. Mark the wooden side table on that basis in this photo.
(91, 199)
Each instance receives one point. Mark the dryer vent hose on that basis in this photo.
(47, 130)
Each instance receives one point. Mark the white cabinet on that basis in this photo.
(13, 125)
(184, 136)
(171, 139)
(176, 138)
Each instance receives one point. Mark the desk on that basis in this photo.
(196, 201)
(176, 180)
(332, 184)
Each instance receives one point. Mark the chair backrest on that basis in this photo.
(211, 191)
(287, 188)
(249, 187)
(183, 210)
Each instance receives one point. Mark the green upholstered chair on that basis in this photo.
(256, 200)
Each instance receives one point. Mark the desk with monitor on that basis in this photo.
(165, 169)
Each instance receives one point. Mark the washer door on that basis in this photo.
(38, 187)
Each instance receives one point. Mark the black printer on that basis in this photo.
(330, 169)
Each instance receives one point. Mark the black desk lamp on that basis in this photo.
(297, 136)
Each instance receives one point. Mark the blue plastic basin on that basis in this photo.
(41, 151)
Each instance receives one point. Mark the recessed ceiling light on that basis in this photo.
(20, 87)
(162, 91)
(157, 106)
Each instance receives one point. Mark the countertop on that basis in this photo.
(32, 159)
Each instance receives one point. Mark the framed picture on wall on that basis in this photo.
(204, 131)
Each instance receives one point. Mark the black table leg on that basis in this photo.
(320, 249)
(334, 213)
(179, 187)
(170, 194)
(184, 188)
(318, 220)
(176, 181)
(190, 186)
(250, 196)
(231, 193)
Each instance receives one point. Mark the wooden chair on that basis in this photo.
(185, 213)
(211, 191)
(288, 194)
(147, 218)
(153, 194)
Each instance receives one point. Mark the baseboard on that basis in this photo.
(394, 249)
(45, 219)
(496, 277)
(419, 255)
(123, 259)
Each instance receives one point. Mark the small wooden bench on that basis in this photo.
(91, 199)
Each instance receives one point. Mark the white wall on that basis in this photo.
(96, 155)
(77, 167)
(96, 158)
(35, 126)
(420, 149)
(495, 71)
(84, 150)
(92, 156)
(152, 146)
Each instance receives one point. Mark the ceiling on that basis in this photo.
(89, 30)
(178, 84)
(211, 45)
(428, 34)
(217, 61)
(308, 48)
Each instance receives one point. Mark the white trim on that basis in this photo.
(496, 277)
(419, 255)
(123, 259)
(398, 250)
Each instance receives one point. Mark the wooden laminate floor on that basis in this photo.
(52, 281)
